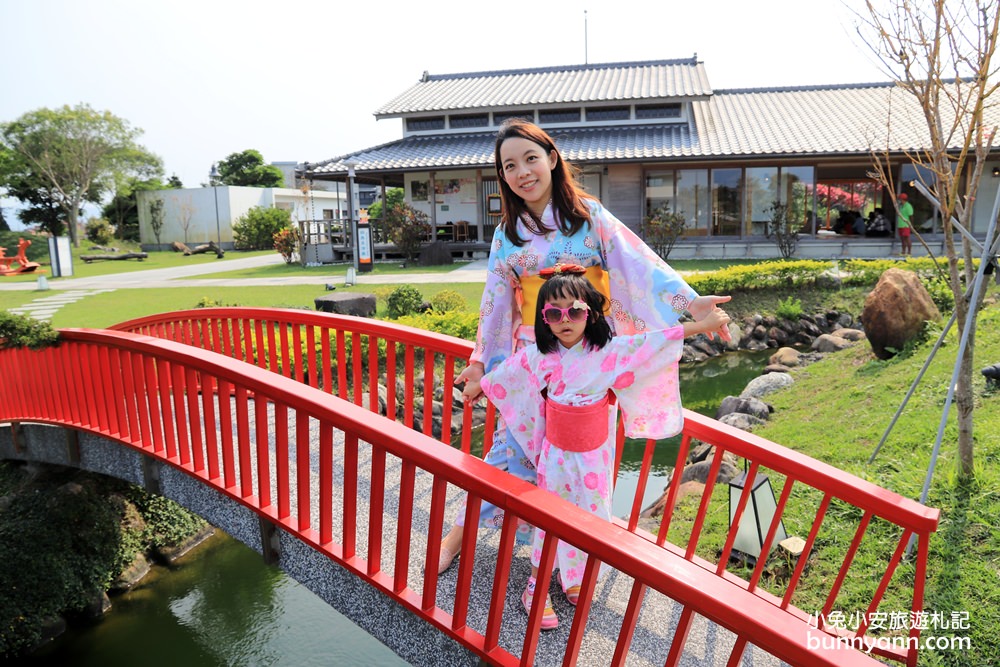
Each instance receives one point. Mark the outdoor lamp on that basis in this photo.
(996, 172)
(757, 515)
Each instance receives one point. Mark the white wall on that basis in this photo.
(197, 206)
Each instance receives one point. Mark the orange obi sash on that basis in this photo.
(577, 428)
(530, 285)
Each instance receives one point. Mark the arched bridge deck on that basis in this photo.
(271, 408)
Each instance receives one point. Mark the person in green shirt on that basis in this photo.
(904, 223)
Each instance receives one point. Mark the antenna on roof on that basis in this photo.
(585, 62)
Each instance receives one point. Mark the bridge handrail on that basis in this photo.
(84, 361)
(208, 327)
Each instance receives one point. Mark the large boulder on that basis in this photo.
(358, 304)
(895, 311)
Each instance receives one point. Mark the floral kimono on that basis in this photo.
(532, 391)
(645, 294)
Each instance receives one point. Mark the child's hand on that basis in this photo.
(717, 321)
(472, 391)
(471, 376)
(702, 307)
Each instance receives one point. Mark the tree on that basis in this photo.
(156, 217)
(393, 196)
(255, 230)
(941, 57)
(123, 209)
(663, 228)
(248, 169)
(407, 228)
(76, 152)
(780, 228)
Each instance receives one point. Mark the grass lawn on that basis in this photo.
(103, 310)
(155, 260)
(838, 410)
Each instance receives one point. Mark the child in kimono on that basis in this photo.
(554, 397)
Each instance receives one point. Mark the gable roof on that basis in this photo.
(575, 84)
(793, 121)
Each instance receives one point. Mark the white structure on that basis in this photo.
(198, 215)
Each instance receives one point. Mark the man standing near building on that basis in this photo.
(904, 223)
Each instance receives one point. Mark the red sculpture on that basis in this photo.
(24, 266)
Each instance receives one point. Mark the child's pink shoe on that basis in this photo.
(573, 595)
(549, 619)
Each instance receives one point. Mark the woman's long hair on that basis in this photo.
(597, 333)
(571, 211)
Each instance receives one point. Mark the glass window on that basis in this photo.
(796, 192)
(422, 124)
(501, 116)
(470, 120)
(925, 216)
(727, 201)
(659, 191)
(692, 200)
(658, 111)
(608, 113)
(559, 116)
(761, 194)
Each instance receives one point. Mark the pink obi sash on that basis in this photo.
(577, 428)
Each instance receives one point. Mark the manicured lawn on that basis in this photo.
(103, 310)
(155, 260)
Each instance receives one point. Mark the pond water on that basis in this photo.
(223, 606)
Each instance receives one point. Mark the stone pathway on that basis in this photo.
(44, 308)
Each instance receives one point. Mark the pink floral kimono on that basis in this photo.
(641, 370)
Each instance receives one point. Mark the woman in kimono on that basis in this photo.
(554, 398)
(547, 218)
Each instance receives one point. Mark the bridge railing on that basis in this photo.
(815, 500)
(251, 435)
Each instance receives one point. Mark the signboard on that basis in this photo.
(364, 243)
(60, 256)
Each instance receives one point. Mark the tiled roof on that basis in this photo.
(508, 89)
(807, 121)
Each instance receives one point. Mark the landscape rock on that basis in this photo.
(742, 421)
(347, 303)
(830, 343)
(786, 356)
(745, 405)
(765, 384)
(895, 311)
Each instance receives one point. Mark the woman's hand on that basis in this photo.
(703, 306)
(470, 377)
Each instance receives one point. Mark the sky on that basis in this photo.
(300, 81)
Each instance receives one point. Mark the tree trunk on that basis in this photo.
(127, 255)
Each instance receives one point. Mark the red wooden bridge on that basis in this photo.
(279, 411)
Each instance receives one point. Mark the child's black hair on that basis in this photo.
(597, 333)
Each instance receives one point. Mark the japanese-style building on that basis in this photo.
(656, 134)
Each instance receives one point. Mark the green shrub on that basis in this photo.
(23, 331)
(460, 324)
(286, 242)
(255, 229)
(790, 309)
(662, 229)
(100, 231)
(407, 228)
(404, 300)
(447, 300)
(58, 546)
(207, 302)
